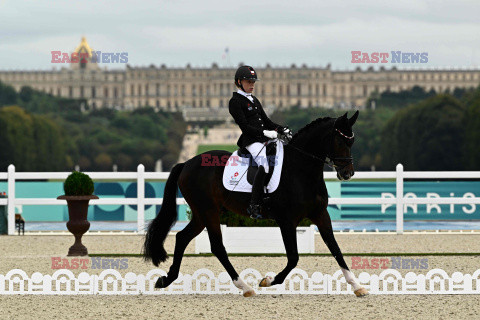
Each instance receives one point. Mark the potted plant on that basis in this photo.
(78, 189)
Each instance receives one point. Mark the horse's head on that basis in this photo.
(343, 139)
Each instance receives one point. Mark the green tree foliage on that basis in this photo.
(50, 151)
(31, 142)
(234, 220)
(472, 131)
(398, 100)
(425, 136)
(8, 96)
(46, 133)
(436, 132)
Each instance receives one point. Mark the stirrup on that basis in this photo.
(254, 211)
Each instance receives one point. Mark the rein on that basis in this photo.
(329, 161)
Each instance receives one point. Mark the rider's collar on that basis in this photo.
(243, 93)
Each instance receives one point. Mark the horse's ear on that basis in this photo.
(352, 120)
(341, 121)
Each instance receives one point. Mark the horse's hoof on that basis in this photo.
(362, 292)
(266, 282)
(249, 293)
(160, 284)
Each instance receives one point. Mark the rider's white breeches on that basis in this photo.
(259, 154)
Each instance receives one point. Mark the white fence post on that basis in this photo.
(141, 199)
(400, 201)
(11, 199)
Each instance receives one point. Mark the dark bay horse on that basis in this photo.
(301, 194)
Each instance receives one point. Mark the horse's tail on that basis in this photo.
(160, 226)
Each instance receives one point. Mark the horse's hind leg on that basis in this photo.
(324, 225)
(218, 249)
(183, 238)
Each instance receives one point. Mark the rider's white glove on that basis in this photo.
(288, 133)
(270, 134)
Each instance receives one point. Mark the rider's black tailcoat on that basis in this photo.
(251, 118)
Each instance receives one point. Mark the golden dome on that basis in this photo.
(84, 47)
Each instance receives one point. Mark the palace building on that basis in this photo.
(177, 89)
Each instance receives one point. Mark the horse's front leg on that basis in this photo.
(324, 225)
(289, 235)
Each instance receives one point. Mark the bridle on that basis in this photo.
(329, 160)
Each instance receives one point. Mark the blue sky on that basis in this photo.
(178, 32)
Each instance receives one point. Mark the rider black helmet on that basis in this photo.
(245, 73)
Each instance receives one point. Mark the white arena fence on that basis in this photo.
(400, 201)
(239, 240)
(204, 281)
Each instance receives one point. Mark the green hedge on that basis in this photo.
(78, 184)
(234, 220)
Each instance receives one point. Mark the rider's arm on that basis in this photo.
(235, 109)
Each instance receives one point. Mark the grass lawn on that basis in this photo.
(207, 147)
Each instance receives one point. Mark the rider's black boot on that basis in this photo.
(255, 208)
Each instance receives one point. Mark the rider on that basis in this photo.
(257, 130)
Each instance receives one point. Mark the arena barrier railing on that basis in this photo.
(400, 201)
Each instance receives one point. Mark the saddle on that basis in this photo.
(253, 168)
(240, 169)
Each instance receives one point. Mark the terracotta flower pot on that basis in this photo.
(77, 223)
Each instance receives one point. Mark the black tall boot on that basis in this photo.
(255, 208)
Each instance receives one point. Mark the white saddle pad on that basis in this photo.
(235, 173)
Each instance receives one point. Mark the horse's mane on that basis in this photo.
(308, 127)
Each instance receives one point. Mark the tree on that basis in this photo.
(50, 151)
(425, 136)
(103, 162)
(26, 94)
(8, 96)
(17, 143)
(472, 131)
